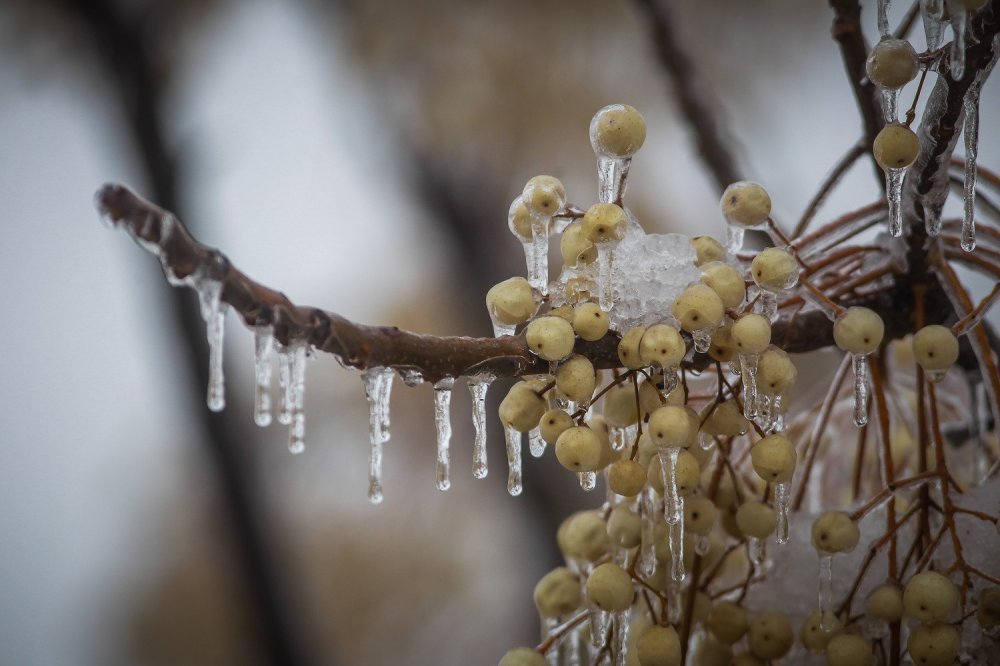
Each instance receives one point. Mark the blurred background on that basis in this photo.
(360, 156)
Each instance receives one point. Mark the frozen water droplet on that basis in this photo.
(411, 376)
(702, 339)
(478, 386)
(673, 508)
(612, 177)
(442, 424)
(734, 238)
(932, 12)
(701, 544)
(296, 396)
(675, 534)
(782, 497)
(378, 387)
(971, 135)
(213, 311)
(894, 196)
(263, 346)
(960, 25)
(827, 618)
(619, 639)
(605, 261)
(536, 445)
(756, 549)
(513, 460)
(883, 17)
(588, 480)
(767, 304)
(860, 389)
(748, 366)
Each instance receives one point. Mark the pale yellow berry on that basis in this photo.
(726, 419)
(610, 588)
(935, 348)
(543, 196)
(929, 596)
(726, 281)
(775, 372)
(670, 426)
(707, 249)
(557, 593)
(697, 308)
(600, 426)
(711, 652)
(835, 532)
(770, 635)
(722, 347)
(858, 330)
(551, 338)
(523, 656)
(745, 659)
(988, 610)
(751, 333)
(576, 250)
(814, 636)
(519, 220)
(649, 397)
(934, 644)
(522, 408)
(511, 302)
(583, 535)
(700, 515)
(745, 203)
(578, 449)
(617, 130)
(885, 603)
(662, 345)
(756, 519)
(620, 407)
(624, 527)
(848, 650)
(892, 63)
(774, 269)
(647, 450)
(659, 646)
(626, 477)
(773, 458)
(687, 473)
(896, 147)
(590, 322)
(576, 378)
(628, 348)
(604, 223)
(728, 622)
(553, 423)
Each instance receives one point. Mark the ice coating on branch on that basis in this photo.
(782, 498)
(262, 348)
(979, 419)
(894, 197)
(442, 425)
(213, 311)
(826, 592)
(612, 177)
(971, 137)
(647, 548)
(293, 362)
(932, 12)
(960, 25)
(605, 284)
(883, 17)
(378, 387)
(675, 537)
(748, 368)
(890, 103)
(513, 437)
(619, 639)
(755, 550)
(478, 386)
(860, 389)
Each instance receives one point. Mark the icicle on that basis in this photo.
(411, 376)
(213, 311)
(284, 382)
(960, 25)
(675, 602)
(701, 544)
(883, 17)
(734, 238)
(894, 194)
(670, 381)
(673, 508)
(598, 618)
(979, 418)
(647, 552)
(932, 12)
(756, 550)
(675, 535)
(734, 366)
(612, 174)
(619, 639)
(513, 460)
(890, 104)
(478, 386)
(860, 389)
(748, 366)
(782, 495)
(572, 648)
(378, 387)
(548, 626)
(971, 135)
(442, 424)
(605, 287)
(262, 348)
(932, 220)
(827, 617)
(588, 480)
(536, 445)
(767, 304)
(702, 339)
(776, 420)
(296, 397)
(538, 266)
